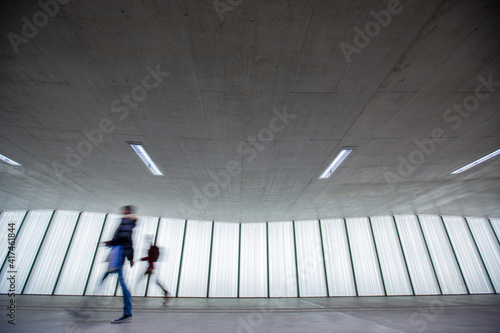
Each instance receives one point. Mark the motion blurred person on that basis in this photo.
(153, 255)
(123, 238)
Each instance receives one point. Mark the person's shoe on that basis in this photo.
(123, 319)
(166, 298)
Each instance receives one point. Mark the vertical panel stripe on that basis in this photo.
(455, 254)
(480, 255)
(156, 237)
(239, 260)
(350, 256)
(37, 252)
(267, 257)
(296, 262)
(324, 260)
(210, 258)
(404, 256)
(180, 261)
(494, 232)
(378, 258)
(429, 253)
(95, 253)
(66, 255)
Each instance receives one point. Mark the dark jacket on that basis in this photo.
(123, 236)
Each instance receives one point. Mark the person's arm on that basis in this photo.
(130, 256)
(114, 241)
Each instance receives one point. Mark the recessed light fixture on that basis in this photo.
(344, 152)
(476, 162)
(8, 160)
(143, 154)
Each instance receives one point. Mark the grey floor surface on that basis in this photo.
(464, 313)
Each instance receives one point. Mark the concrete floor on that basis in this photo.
(464, 313)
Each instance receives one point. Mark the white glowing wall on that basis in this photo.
(339, 269)
(196, 259)
(28, 240)
(469, 259)
(253, 261)
(282, 272)
(80, 254)
(394, 269)
(61, 253)
(364, 257)
(49, 260)
(170, 242)
(419, 263)
(485, 240)
(445, 263)
(310, 262)
(225, 259)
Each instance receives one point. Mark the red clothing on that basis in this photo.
(153, 254)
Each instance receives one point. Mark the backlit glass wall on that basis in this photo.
(62, 253)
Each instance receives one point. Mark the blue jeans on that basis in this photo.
(127, 298)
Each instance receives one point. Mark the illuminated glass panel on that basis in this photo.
(282, 272)
(417, 257)
(468, 256)
(27, 243)
(169, 241)
(337, 258)
(495, 223)
(194, 273)
(253, 265)
(224, 269)
(488, 247)
(434, 251)
(364, 257)
(95, 287)
(15, 218)
(50, 258)
(142, 237)
(392, 262)
(76, 268)
(445, 263)
(311, 267)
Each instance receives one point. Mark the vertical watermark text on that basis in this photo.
(11, 272)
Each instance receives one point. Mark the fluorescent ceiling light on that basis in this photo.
(476, 162)
(143, 154)
(8, 160)
(344, 152)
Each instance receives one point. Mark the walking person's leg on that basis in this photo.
(165, 298)
(104, 277)
(127, 301)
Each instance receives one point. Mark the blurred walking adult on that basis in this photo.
(122, 246)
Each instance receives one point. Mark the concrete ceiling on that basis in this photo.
(262, 94)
